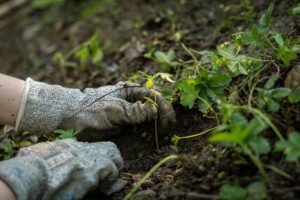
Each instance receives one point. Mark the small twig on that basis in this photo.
(152, 171)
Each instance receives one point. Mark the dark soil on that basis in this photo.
(128, 30)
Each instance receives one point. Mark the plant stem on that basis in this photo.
(198, 134)
(264, 118)
(256, 160)
(279, 171)
(152, 171)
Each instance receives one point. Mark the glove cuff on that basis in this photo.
(27, 176)
(44, 106)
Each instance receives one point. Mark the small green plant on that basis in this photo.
(269, 96)
(47, 3)
(8, 147)
(89, 50)
(296, 9)
(284, 53)
(165, 60)
(290, 146)
(236, 63)
(294, 97)
(204, 89)
(254, 191)
(64, 134)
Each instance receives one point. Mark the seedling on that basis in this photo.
(64, 134)
(284, 53)
(290, 146)
(254, 191)
(294, 97)
(269, 97)
(165, 60)
(204, 89)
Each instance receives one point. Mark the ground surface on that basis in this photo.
(128, 29)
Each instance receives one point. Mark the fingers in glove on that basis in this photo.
(166, 114)
(125, 112)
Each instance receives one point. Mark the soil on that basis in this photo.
(128, 30)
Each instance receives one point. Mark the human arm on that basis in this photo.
(11, 91)
(6, 193)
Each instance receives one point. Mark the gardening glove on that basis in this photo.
(63, 170)
(47, 107)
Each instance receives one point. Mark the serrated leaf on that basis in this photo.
(219, 80)
(165, 76)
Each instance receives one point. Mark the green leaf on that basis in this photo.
(279, 39)
(165, 60)
(284, 53)
(232, 192)
(238, 119)
(150, 82)
(294, 97)
(280, 92)
(187, 88)
(256, 191)
(260, 145)
(296, 10)
(258, 125)
(219, 80)
(165, 76)
(46, 3)
(271, 81)
(290, 146)
(273, 106)
(64, 134)
(265, 20)
(97, 56)
(254, 37)
(83, 55)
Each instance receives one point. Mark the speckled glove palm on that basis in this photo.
(47, 107)
(63, 170)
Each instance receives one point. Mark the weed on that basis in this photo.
(254, 191)
(165, 60)
(290, 146)
(269, 97)
(64, 134)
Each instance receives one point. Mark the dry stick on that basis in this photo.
(152, 171)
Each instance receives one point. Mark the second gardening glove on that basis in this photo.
(63, 170)
(47, 107)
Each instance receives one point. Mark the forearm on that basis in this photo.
(5, 192)
(11, 92)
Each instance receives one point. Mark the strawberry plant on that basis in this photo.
(269, 96)
(204, 89)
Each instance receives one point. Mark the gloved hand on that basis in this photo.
(47, 107)
(62, 170)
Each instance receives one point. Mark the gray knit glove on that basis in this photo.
(47, 107)
(63, 170)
